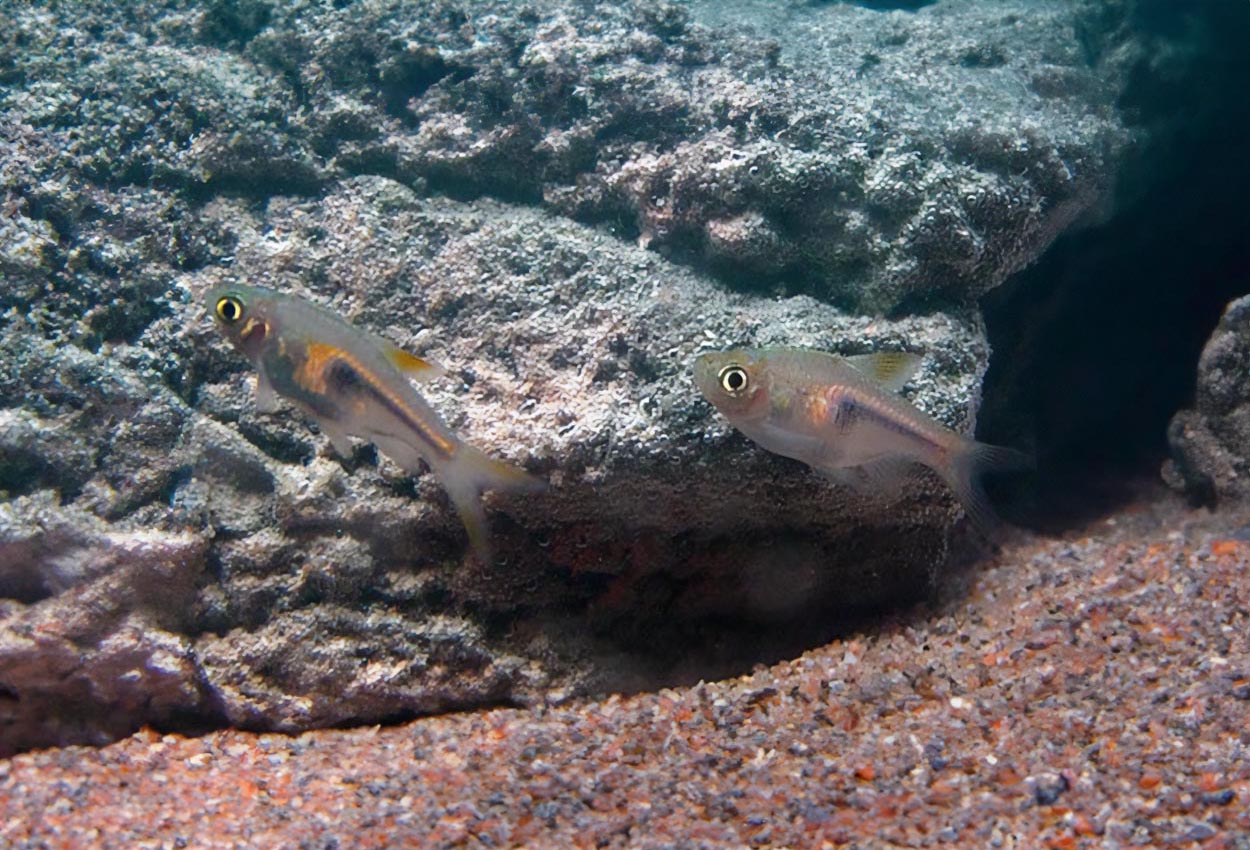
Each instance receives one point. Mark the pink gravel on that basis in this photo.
(1086, 691)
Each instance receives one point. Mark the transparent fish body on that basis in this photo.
(355, 384)
(844, 417)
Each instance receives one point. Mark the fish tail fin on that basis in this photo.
(967, 463)
(467, 476)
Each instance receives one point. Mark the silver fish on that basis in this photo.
(355, 384)
(843, 417)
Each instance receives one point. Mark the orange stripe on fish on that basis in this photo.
(846, 414)
(313, 375)
(816, 406)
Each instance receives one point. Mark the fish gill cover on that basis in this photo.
(562, 203)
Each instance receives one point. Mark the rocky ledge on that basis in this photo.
(563, 204)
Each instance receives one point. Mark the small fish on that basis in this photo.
(355, 384)
(843, 417)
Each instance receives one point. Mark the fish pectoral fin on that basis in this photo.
(843, 476)
(413, 366)
(875, 478)
(887, 473)
(891, 369)
(339, 438)
(266, 395)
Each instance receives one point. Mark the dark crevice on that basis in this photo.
(259, 181)
(407, 75)
(192, 723)
(406, 715)
(21, 579)
(504, 184)
(27, 470)
(22, 472)
(233, 23)
(720, 607)
(1096, 346)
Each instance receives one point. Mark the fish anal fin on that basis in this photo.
(266, 395)
(339, 438)
(891, 369)
(413, 366)
(889, 472)
(407, 457)
(875, 478)
(845, 476)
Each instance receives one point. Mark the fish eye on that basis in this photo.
(229, 309)
(733, 379)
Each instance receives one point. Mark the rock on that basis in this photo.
(563, 205)
(569, 354)
(1208, 442)
(335, 590)
(876, 160)
(93, 625)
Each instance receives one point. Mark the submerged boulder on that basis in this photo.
(562, 206)
(1209, 441)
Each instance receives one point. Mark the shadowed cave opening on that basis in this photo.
(1096, 346)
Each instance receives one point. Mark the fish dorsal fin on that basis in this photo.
(891, 369)
(413, 366)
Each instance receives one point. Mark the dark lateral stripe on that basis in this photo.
(844, 410)
(892, 422)
(348, 378)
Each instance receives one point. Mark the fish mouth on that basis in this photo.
(254, 331)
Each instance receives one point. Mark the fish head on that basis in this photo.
(244, 314)
(735, 382)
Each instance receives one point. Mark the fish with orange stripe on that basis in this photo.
(355, 384)
(843, 417)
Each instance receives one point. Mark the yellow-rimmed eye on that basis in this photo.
(734, 380)
(229, 309)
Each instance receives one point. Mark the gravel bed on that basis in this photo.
(1084, 691)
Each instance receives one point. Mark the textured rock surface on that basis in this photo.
(865, 158)
(1092, 691)
(872, 159)
(333, 590)
(107, 644)
(1209, 442)
(472, 182)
